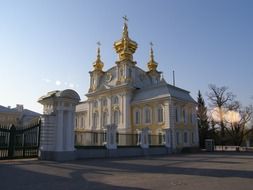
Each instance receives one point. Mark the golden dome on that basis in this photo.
(98, 64)
(152, 65)
(125, 47)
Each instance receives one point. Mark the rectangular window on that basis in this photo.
(184, 117)
(192, 138)
(190, 115)
(147, 116)
(82, 126)
(137, 117)
(185, 137)
(160, 115)
(176, 113)
(177, 138)
(193, 118)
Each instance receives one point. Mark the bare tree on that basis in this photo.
(236, 126)
(220, 98)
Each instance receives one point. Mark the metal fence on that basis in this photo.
(156, 140)
(20, 142)
(127, 139)
(84, 138)
(98, 139)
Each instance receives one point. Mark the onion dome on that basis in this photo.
(125, 47)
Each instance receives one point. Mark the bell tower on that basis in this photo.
(152, 67)
(125, 48)
(97, 72)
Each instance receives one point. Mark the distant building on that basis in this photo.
(17, 116)
(133, 99)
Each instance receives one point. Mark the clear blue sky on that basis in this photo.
(49, 44)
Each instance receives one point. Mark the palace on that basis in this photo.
(133, 99)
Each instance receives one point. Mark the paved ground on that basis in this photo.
(217, 171)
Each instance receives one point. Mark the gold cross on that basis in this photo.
(98, 43)
(125, 18)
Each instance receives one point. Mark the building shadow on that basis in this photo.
(15, 178)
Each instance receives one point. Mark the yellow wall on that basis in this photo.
(154, 126)
(9, 118)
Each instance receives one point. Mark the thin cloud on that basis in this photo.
(71, 85)
(58, 83)
(46, 80)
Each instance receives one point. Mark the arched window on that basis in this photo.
(95, 119)
(193, 117)
(147, 115)
(137, 117)
(116, 117)
(176, 114)
(82, 122)
(121, 71)
(178, 138)
(193, 141)
(160, 114)
(185, 137)
(104, 119)
(95, 104)
(115, 100)
(104, 102)
(184, 116)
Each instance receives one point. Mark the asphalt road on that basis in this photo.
(207, 171)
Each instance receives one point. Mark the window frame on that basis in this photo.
(160, 114)
(135, 116)
(145, 111)
(104, 118)
(95, 119)
(186, 138)
(115, 100)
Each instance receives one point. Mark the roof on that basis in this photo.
(162, 90)
(68, 93)
(14, 110)
(27, 112)
(5, 109)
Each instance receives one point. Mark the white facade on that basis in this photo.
(134, 99)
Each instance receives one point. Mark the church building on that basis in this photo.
(134, 98)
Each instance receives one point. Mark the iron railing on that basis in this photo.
(89, 138)
(96, 139)
(19, 142)
(127, 139)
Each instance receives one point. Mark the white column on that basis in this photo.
(70, 132)
(109, 105)
(172, 123)
(90, 116)
(100, 114)
(59, 129)
(167, 135)
(166, 114)
(122, 110)
(127, 111)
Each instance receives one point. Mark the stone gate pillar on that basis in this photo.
(111, 131)
(57, 129)
(167, 138)
(144, 143)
